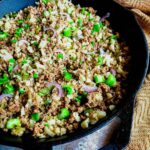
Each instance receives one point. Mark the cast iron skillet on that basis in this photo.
(123, 22)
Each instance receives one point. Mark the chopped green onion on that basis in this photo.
(3, 35)
(111, 80)
(35, 117)
(44, 92)
(68, 89)
(26, 26)
(9, 89)
(35, 75)
(88, 110)
(12, 123)
(64, 113)
(4, 79)
(12, 60)
(67, 76)
(11, 65)
(67, 32)
(81, 98)
(35, 43)
(60, 56)
(100, 60)
(46, 125)
(114, 37)
(99, 79)
(22, 91)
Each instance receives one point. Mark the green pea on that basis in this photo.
(35, 117)
(64, 113)
(99, 79)
(12, 123)
(111, 80)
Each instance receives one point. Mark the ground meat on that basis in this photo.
(62, 68)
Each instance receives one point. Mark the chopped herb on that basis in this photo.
(83, 10)
(93, 43)
(46, 125)
(45, 1)
(35, 43)
(114, 37)
(80, 22)
(26, 26)
(64, 113)
(24, 62)
(25, 75)
(88, 110)
(35, 117)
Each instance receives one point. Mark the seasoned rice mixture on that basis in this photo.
(61, 68)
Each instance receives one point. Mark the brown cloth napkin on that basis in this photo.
(140, 135)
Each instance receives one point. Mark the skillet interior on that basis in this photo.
(123, 22)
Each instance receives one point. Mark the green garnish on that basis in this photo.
(80, 22)
(99, 79)
(68, 89)
(97, 27)
(64, 113)
(4, 79)
(67, 32)
(35, 75)
(60, 56)
(26, 26)
(9, 89)
(3, 35)
(81, 98)
(46, 125)
(13, 41)
(47, 102)
(12, 123)
(114, 37)
(35, 117)
(35, 43)
(67, 75)
(88, 110)
(100, 60)
(22, 91)
(111, 80)
(18, 32)
(44, 92)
